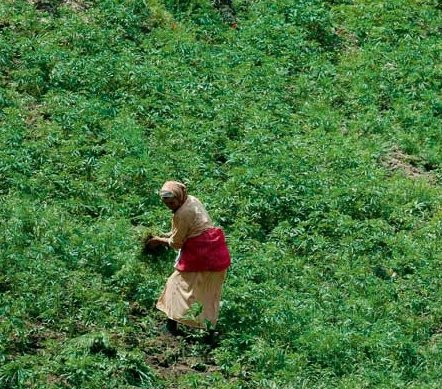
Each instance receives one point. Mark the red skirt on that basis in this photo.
(205, 252)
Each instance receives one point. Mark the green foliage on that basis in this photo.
(310, 129)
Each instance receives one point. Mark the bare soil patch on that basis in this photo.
(412, 166)
(52, 5)
(172, 357)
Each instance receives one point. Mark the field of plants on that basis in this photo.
(311, 129)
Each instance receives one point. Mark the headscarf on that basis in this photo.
(174, 189)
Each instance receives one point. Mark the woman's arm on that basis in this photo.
(158, 241)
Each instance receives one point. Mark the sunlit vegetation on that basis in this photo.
(310, 129)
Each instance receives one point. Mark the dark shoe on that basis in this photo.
(171, 328)
(212, 338)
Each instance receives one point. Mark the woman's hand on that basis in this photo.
(157, 241)
(153, 244)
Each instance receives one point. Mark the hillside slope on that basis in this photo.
(310, 129)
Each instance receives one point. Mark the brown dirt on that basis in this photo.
(411, 166)
(171, 357)
(51, 6)
(349, 38)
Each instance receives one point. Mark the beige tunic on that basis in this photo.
(191, 219)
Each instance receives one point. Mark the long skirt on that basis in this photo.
(193, 298)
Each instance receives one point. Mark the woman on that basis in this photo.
(192, 293)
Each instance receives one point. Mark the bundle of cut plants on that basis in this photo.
(149, 248)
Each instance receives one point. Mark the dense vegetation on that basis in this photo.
(311, 130)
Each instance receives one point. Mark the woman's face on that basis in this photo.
(171, 203)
